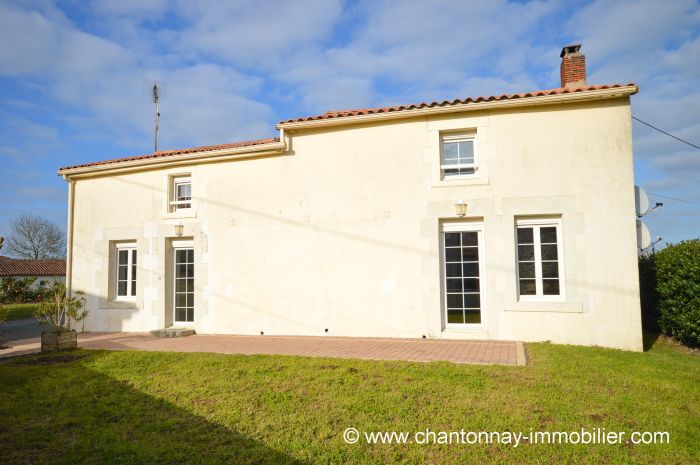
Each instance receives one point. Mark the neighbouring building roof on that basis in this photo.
(399, 110)
(22, 267)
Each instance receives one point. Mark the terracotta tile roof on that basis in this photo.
(21, 267)
(444, 103)
(170, 153)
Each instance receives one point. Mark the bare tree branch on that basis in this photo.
(34, 237)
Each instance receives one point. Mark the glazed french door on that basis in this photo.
(463, 274)
(183, 283)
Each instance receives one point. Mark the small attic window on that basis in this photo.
(181, 193)
(458, 155)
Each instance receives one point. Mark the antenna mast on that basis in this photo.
(156, 93)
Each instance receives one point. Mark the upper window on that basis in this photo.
(181, 193)
(458, 158)
(126, 271)
(539, 258)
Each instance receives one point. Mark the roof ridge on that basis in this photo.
(457, 101)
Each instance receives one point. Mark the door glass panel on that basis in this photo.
(184, 285)
(462, 284)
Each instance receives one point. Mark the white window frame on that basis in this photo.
(477, 227)
(178, 205)
(539, 296)
(458, 137)
(131, 248)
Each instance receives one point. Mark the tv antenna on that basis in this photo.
(155, 91)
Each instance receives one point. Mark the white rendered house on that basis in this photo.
(505, 217)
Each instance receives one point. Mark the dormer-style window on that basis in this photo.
(181, 193)
(458, 157)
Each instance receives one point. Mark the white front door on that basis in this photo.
(183, 283)
(463, 271)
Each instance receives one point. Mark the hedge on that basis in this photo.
(676, 270)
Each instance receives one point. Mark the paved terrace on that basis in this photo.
(416, 350)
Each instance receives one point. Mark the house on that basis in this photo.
(502, 217)
(46, 271)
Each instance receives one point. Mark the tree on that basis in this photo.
(35, 237)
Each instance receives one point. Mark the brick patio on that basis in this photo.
(417, 350)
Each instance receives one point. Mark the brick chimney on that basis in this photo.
(573, 66)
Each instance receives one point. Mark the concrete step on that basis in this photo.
(172, 332)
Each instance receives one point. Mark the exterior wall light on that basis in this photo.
(460, 208)
(179, 229)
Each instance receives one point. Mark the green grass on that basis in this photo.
(102, 407)
(20, 311)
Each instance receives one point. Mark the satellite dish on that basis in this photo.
(641, 201)
(643, 235)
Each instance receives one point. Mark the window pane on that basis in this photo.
(190, 256)
(548, 235)
(527, 287)
(471, 301)
(473, 316)
(449, 150)
(454, 300)
(190, 284)
(470, 270)
(190, 270)
(180, 300)
(550, 286)
(452, 239)
(133, 287)
(190, 299)
(526, 270)
(526, 252)
(181, 256)
(181, 271)
(470, 238)
(180, 285)
(184, 191)
(471, 285)
(550, 269)
(455, 316)
(470, 254)
(453, 269)
(466, 149)
(453, 255)
(180, 314)
(549, 252)
(525, 236)
(133, 256)
(451, 172)
(454, 285)
(122, 272)
(190, 314)
(465, 171)
(121, 288)
(123, 257)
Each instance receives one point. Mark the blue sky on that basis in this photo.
(73, 76)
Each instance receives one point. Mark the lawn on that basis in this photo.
(20, 311)
(119, 407)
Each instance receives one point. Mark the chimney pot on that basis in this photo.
(573, 66)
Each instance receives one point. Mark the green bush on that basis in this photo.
(17, 290)
(678, 286)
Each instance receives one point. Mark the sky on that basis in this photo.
(75, 76)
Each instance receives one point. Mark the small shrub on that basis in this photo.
(678, 287)
(59, 311)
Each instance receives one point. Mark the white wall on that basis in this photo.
(342, 232)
